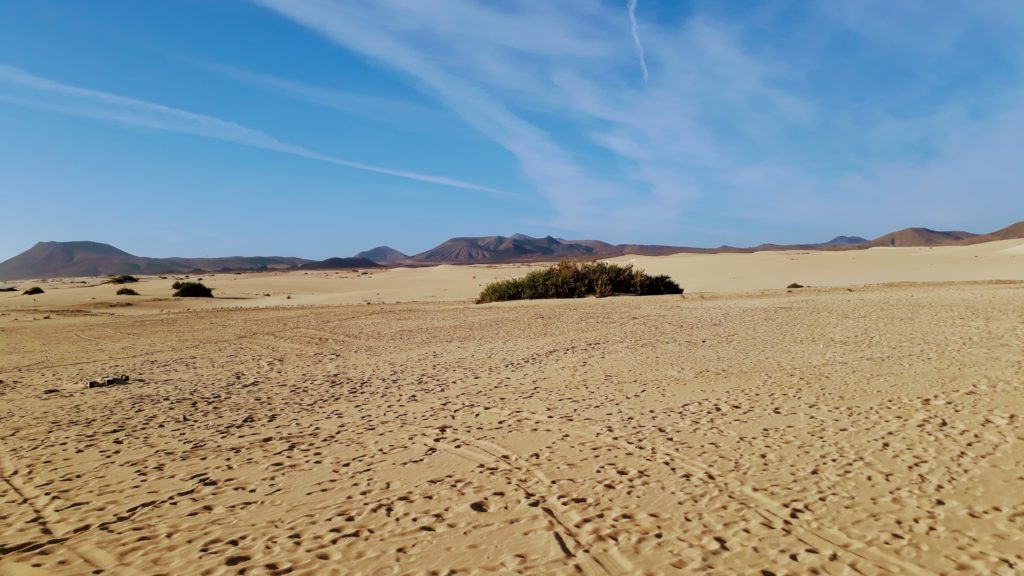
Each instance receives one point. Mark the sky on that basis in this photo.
(319, 128)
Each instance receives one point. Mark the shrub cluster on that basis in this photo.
(574, 280)
(123, 279)
(127, 292)
(192, 290)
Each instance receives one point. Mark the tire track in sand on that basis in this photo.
(534, 484)
(772, 511)
(60, 533)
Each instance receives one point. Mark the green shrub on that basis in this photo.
(176, 285)
(192, 290)
(33, 291)
(127, 292)
(123, 279)
(574, 280)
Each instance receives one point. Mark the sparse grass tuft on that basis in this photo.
(127, 292)
(192, 290)
(573, 280)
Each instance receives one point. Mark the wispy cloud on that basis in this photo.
(449, 69)
(665, 142)
(754, 114)
(379, 108)
(805, 118)
(34, 91)
(635, 30)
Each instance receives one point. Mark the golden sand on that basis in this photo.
(835, 430)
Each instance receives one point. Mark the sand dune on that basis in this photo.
(744, 430)
(767, 270)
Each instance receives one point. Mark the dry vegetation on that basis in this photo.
(575, 280)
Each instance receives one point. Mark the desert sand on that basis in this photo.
(380, 423)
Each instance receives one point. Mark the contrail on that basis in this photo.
(84, 102)
(631, 5)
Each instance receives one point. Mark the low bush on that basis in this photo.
(33, 291)
(123, 279)
(574, 280)
(192, 290)
(8, 289)
(127, 292)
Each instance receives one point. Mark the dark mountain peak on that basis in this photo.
(515, 248)
(339, 264)
(382, 255)
(845, 241)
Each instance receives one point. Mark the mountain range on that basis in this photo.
(83, 258)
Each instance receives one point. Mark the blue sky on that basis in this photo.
(318, 128)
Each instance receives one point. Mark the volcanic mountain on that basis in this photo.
(516, 248)
(843, 241)
(339, 264)
(383, 255)
(606, 250)
(83, 258)
(922, 237)
(1011, 232)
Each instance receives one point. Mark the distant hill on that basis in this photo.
(383, 255)
(49, 259)
(64, 259)
(922, 237)
(83, 258)
(523, 248)
(516, 248)
(606, 250)
(1011, 232)
(339, 264)
(837, 243)
(238, 263)
(844, 241)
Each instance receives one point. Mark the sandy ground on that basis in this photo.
(262, 289)
(863, 430)
(765, 270)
